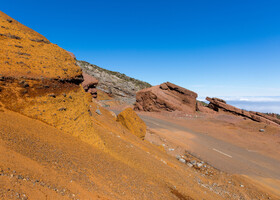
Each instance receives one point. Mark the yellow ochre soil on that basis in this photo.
(132, 122)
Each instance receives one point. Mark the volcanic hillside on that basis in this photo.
(56, 143)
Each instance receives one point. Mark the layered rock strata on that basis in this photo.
(221, 105)
(41, 80)
(166, 97)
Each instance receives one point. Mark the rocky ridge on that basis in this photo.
(118, 85)
(220, 105)
(170, 97)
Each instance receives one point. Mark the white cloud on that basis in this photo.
(265, 104)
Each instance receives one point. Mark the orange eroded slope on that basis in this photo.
(26, 53)
(38, 160)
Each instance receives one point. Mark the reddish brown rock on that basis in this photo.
(269, 117)
(221, 105)
(89, 84)
(204, 109)
(166, 97)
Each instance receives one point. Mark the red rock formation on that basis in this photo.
(219, 104)
(166, 97)
(89, 84)
(271, 118)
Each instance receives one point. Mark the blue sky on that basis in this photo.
(215, 48)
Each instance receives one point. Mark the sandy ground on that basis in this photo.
(39, 161)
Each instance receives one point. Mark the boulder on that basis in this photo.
(166, 97)
(89, 84)
(132, 122)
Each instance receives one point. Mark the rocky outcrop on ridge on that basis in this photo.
(118, 85)
(220, 105)
(166, 97)
(89, 84)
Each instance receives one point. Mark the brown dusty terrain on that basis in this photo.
(55, 143)
(227, 142)
(234, 129)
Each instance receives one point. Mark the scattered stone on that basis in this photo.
(24, 197)
(193, 162)
(199, 165)
(170, 149)
(62, 109)
(189, 164)
(178, 157)
(163, 161)
(52, 95)
(98, 112)
(262, 130)
(242, 186)
(20, 177)
(182, 160)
